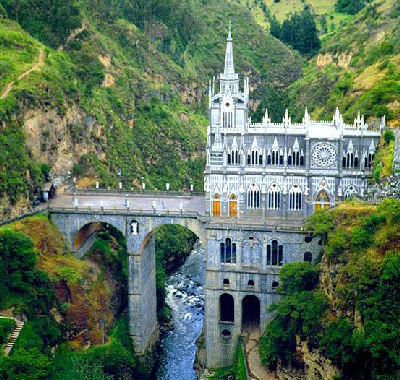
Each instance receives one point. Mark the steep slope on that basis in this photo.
(119, 97)
(357, 68)
(347, 326)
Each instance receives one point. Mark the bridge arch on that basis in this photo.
(139, 229)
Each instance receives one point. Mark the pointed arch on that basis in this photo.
(216, 205)
(322, 200)
(233, 205)
(274, 196)
(295, 198)
(253, 197)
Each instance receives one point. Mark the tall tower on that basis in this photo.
(227, 114)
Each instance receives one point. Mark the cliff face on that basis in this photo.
(124, 89)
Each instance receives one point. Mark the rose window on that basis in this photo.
(324, 155)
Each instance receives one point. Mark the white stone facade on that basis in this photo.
(279, 169)
(261, 181)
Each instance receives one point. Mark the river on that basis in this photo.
(185, 297)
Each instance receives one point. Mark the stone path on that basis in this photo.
(23, 75)
(14, 335)
(256, 370)
(396, 154)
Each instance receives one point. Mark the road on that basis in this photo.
(139, 202)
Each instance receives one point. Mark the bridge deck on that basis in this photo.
(189, 204)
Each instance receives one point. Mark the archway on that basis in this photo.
(322, 200)
(250, 312)
(216, 205)
(232, 205)
(85, 237)
(226, 308)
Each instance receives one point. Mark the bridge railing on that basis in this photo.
(261, 225)
(161, 193)
(124, 211)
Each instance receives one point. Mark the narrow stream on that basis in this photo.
(185, 297)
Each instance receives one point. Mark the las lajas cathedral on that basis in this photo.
(261, 181)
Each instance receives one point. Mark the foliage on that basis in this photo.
(298, 276)
(14, 163)
(25, 365)
(6, 326)
(350, 6)
(360, 332)
(299, 31)
(49, 21)
(136, 71)
(321, 222)
(17, 260)
(298, 313)
(80, 368)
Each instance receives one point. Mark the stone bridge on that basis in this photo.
(136, 216)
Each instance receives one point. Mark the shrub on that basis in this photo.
(298, 276)
(360, 238)
(25, 365)
(337, 243)
(388, 136)
(6, 326)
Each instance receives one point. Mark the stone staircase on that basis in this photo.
(13, 336)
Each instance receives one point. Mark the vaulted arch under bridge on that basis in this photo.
(136, 217)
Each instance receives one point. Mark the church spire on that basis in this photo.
(229, 67)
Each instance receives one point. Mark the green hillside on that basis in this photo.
(122, 87)
(357, 69)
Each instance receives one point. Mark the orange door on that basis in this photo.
(232, 208)
(216, 207)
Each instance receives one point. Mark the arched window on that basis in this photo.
(228, 251)
(254, 158)
(269, 158)
(308, 257)
(281, 157)
(232, 205)
(344, 162)
(227, 120)
(289, 159)
(295, 198)
(233, 157)
(356, 161)
(350, 191)
(275, 157)
(134, 225)
(250, 282)
(274, 197)
(322, 200)
(253, 197)
(275, 284)
(275, 253)
(296, 158)
(216, 205)
(225, 281)
(226, 308)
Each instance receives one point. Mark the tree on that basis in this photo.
(300, 31)
(350, 6)
(298, 276)
(17, 260)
